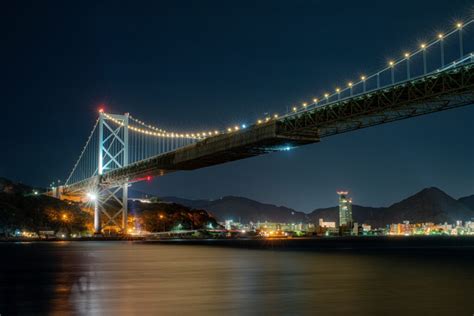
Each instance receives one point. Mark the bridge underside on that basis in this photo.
(433, 93)
(255, 141)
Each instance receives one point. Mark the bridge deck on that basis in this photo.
(432, 93)
(254, 141)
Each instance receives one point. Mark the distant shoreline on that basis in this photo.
(128, 238)
(332, 243)
(300, 243)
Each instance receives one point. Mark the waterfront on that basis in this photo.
(150, 278)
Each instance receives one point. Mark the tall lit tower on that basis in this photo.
(345, 209)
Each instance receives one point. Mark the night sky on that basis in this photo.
(193, 65)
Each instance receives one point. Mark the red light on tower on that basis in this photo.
(101, 110)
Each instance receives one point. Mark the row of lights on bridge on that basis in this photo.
(154, 130)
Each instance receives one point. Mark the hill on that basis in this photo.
(468, 201)
(159, 216)
(20, 209)
(243, 210)
(428, 205)
(9, 187)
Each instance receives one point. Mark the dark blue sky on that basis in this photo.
(206, 64)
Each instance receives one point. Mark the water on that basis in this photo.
(123, 278)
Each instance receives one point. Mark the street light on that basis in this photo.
(363, 78)
(407, 58)
(392, 71)
(461, 49)
(441, 44)
(92, 196)
(161, 218)
(423, 47)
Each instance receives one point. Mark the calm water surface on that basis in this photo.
(123, 278)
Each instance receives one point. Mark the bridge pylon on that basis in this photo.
(111, 199)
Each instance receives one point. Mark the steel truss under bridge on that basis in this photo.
(437, 92)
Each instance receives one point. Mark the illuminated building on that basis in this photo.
(345, 209)
(322, 223)
(228, 224)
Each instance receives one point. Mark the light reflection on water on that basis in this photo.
(132, 278)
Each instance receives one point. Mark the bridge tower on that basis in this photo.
(110, 199)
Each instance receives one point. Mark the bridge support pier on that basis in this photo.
(97, 222)
(111, 208)
(112, 198)
(125, 208)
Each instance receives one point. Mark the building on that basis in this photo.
(324, 224)
(228, 224)
(345, 209)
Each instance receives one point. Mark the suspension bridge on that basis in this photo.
(436, 76)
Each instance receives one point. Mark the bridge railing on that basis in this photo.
(446, 51)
